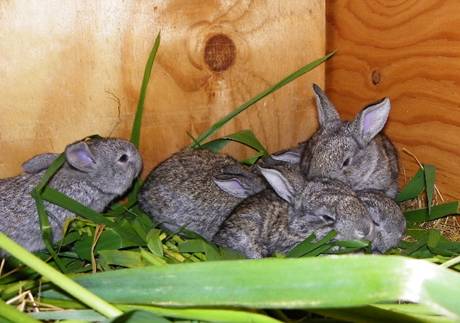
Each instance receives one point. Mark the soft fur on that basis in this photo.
(388, 218)
(96, 171)
(197, 190)
(355, 152)
(278, 218)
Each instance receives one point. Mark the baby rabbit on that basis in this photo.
(388, 219)
(277, 220)
(96, 171)
(197, 189)
(353, 152)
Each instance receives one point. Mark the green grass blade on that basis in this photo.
(216, 126)
(430, 175)
(434, 237)
(56, 197)
(374, 314)
(12, 314)
(307, 246)
(154, 242)
(437, 211)
(58, 278)
(200, 314)
(412, 189)
(319, 282)
(43, 220)
(86, 315)
(136, 129)
(253, 159)
(245, 137)
(138, 316)
(123, 258)
(211, 315)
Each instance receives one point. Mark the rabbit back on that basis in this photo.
(182, 192)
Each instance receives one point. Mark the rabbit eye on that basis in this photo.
(123, 158)
(346, 162)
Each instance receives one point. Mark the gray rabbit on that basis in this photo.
(277, 219)
(388, 219)
(96, 171)
(197, 189)
(355, 152)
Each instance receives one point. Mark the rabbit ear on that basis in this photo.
(38, 163)
(279, 183)
(369, 122)
(78, 155)
(236, 185)
(292, 157)
(327, 114)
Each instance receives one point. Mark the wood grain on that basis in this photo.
(410, 51)
(73, 68)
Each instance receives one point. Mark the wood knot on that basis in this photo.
(375, 77)
(219, 52)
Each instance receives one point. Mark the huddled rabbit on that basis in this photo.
(355, 152)
(278, 218)
(96, 171)
(388, 219)
(191, 189)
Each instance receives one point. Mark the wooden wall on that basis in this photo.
(73, 68)
(409, 51)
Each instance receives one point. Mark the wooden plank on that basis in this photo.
(409, 51)
(73, 68)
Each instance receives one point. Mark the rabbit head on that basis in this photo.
(108, 164)
(388, 219)
(321, 205)
(353, 152)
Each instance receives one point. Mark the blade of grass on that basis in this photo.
(374, 314)
(136, 129)
(317, 282)
(430, 175)
(12, 314)
(45, 227)
(58, 278)
(412, 189)
(123, 258)
(86, 315)
(216, 126)
(307, 246)
(154, 242)
(245, 137)
(200, 314)
(56, 197)
(137, 123)
(138, 316)
(252, 160)
(437, 211)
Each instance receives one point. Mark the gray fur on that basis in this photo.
(197, 190)
(38, 163)
(291, 155)
(388, 218)
(96, 171)
(372, 159)
(277, 219)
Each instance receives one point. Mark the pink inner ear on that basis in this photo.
(83, 157)
(369, 120)
(232, 187)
